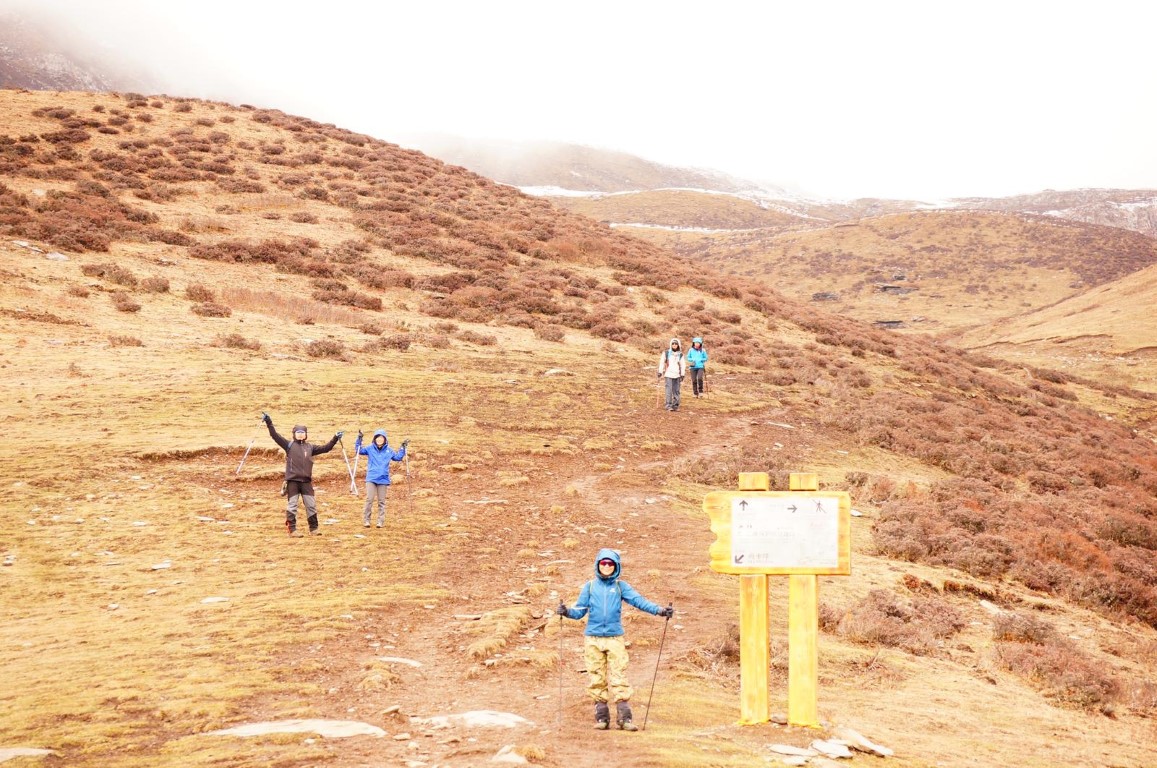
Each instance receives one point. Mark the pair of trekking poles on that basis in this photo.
(658, 656)
(353, 469)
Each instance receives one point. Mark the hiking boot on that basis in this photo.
(602, 716)
(367, 525)
(314, 532)
(623, 717)
(296, 534)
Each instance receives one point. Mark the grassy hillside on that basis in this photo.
(1106, 333)
(683, 208)
(174, 267)
(931, 271)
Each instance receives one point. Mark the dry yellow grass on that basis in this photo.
(124, 513)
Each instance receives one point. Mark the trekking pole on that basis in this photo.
(409, 494)
(560, 672)
(353, 483)
(659, 395)
(653, 679)
(246, 456)
(347, 460)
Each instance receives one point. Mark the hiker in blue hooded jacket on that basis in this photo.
(604, 649)
(378, 457)
(697, 362)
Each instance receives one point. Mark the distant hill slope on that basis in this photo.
(935, 270)
(683, 208)
(1124, 208)
(571, 166)
(1108, 332)
(35, 56)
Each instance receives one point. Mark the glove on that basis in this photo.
(660, 375)
(359, 434)
(405, 442)
(338, 435)
(667, 612)
(265, 418)
(561, 610)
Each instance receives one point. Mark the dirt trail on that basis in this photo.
(604, 510)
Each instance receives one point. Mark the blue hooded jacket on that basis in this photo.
(378, 459)
(603, 598)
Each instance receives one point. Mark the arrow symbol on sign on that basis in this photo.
(792, 509)
(743, 504)
(738, 559)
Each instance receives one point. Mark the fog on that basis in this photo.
(921, 100)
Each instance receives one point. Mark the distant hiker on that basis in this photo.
(299, 473)
(604, 650)
(378, 457)
(697, 361)
(672, 368)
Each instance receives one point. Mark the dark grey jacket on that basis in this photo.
(299, 455)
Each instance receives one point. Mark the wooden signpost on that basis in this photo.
(802, 534)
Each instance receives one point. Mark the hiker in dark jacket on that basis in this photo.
(601, 601)
(378, 455)
(299, 473)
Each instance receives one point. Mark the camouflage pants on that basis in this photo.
(606, 659)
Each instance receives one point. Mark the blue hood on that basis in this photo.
(609, 554)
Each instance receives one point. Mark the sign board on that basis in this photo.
(780, 532)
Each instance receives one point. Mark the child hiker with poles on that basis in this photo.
(601, 601)
(378, 457)
(299, 473)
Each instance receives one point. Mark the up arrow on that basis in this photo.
(743, 504)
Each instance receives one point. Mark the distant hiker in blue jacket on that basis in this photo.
(378, 457)
(604, 650)
(697, 361)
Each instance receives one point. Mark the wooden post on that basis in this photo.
(803, 619)
(754, 647)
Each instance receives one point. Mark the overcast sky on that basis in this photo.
(927, 99)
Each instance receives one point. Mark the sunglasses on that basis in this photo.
(611, 563)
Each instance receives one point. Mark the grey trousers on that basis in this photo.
(375, 491)
(673, 387)
(310, 510)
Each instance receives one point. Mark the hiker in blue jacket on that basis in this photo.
(604, 650)
(697, 362)
(378, 457)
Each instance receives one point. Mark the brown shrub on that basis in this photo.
(125, 341)
(211, 309)
(199, 292)
(918, 626)
(398, 342)
(481, 339)
(237, 341)
(1062, 672)
(548, 332)
(326, 348)
(113, 273)
(124, 303)
(155, 284)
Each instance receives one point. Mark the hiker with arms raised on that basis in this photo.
(601, 601)
(299, 473)
(378, 457)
